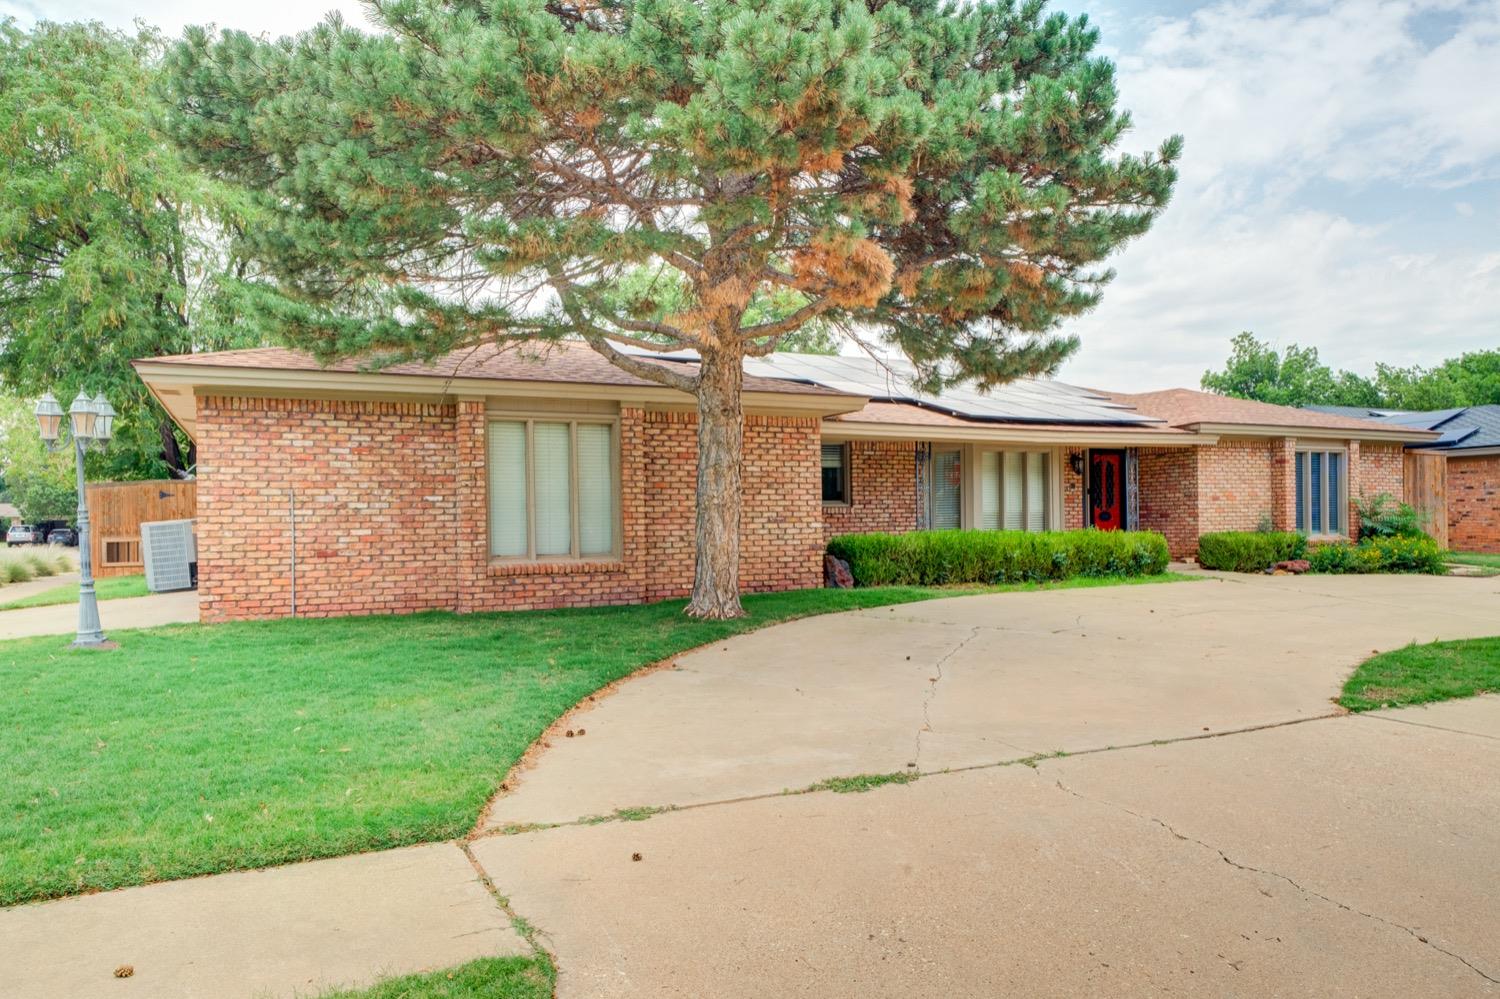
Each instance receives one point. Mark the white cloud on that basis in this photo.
(1279, 102)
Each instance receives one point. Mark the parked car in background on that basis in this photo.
(63, 536)
(22, 534)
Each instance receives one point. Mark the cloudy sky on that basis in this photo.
(1340, 186)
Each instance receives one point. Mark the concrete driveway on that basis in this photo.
(1255, 841)
(1218, 827)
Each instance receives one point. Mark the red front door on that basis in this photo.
(1107, 490)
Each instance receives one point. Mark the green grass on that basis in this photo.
(487, 978)
(1420, 674)
(108, 588)
(1474, 558)
(860, 783)
(195, 749)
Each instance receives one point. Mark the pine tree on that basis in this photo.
(940, 177)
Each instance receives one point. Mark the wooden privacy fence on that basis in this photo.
(118, 509)
(1427, 491)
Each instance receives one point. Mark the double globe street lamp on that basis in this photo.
(91, 422)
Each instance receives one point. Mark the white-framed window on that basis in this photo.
(946, 492)
(1013, 490)
(836, 473)
(553, 489)
(1321, 495)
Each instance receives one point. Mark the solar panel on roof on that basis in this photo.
(1026, 400)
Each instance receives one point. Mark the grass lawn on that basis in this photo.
(487, 978)
(1417, 674)
(194, 749)
(1474, 558)
(108, 588)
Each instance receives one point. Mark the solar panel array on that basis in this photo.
(1026, 400)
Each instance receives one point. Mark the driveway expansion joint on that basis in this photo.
(1380, 716)
(1303, 889)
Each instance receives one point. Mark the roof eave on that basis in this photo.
(177, 385)
(1082, 436)
(1322, 433)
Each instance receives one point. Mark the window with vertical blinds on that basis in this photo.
(552, 489)
(947, 490)
(1013, 490)
(1320, 496)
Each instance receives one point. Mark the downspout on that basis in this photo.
(291, 495)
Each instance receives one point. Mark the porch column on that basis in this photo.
(1284, 483)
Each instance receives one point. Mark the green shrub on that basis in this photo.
(939, 558)
(1385, 554)
(1248, 551)
(1380, 516)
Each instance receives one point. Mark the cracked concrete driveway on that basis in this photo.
(1221, 828)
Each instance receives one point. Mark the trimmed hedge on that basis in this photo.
(1248, 551)
(938, 558)
(1380, 554)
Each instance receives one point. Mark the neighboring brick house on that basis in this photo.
(548, 477)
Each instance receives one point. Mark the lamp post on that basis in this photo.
(91, 422)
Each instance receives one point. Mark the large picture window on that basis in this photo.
(1320, 492)
(1013, 490)
(552, 489)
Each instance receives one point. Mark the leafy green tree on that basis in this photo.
(944, 177)
(1296, 377)
(107, 247)
(41, 483)
(1256, 370)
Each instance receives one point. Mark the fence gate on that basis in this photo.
(1426, 489)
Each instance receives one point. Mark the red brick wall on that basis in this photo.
(1167, 496)
(392, 512)
(1072, 490)
(1381, 469)
(1235, 491)
(376, 510)
(1474, 504)
(882, 490)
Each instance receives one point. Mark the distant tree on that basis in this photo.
(108, 250)
(41, 483)
(1296, 377)
(941, 176)
(1256, 370)
(1471, 379)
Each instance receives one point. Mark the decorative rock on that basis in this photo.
(1296, 566)
(836, 573)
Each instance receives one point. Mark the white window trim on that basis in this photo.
(969, 504)
(1344, 519)
(573, 420)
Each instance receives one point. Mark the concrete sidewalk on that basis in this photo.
(301, 929)
(117, 615)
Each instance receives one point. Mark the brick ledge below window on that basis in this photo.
(563, 567)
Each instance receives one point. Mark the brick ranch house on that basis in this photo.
(545, 477)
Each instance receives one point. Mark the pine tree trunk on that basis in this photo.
(716, 576)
